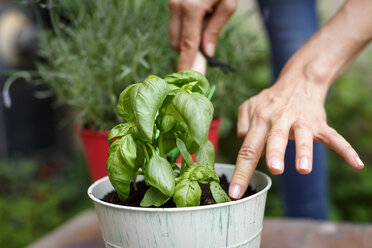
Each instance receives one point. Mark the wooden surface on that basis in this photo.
(83, 232)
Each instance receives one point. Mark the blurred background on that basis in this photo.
(62, 66)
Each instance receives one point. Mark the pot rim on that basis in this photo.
(183, 209)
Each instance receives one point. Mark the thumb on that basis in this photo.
(215, 24)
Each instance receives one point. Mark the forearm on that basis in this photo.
(328, 53)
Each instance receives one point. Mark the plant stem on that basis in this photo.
(133, 178)
(183, 166)
(146, 153)
(160, 140)
(211, 93)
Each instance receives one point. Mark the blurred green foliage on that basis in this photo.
(349, 111)
(35, 199)
(97, 48)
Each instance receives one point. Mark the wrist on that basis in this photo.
(304, 75)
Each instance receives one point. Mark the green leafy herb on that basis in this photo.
(206, 154)
(218, 193)
(154, 197)
(163, 119)
(187, 194)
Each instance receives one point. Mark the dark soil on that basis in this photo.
(136, 197)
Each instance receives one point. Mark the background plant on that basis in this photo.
(35, 198)
(97, 48)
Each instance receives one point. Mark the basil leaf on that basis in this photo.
(185, 77)
(187, 194)
(140, 159)
(185, 154)
(167, 123)
(159, 174)
(128, 150)
(119, 131)
(190, 143)
(219, 195)
(118, 172)
(146, 101)
(154, 197)
(200, 172)
(173, 155)
(206, 154)
(169, 142)
(197, 111)
(124, 106)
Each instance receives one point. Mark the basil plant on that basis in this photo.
(163, 119)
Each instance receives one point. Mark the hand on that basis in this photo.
(285, 111)
(186, 26)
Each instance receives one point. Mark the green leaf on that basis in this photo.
(167, 123)
(206, 154)
(200, 172)
(128, 149)
(140, 159)
(169, 142)
(118, 172)
(185, 154)
(186, 77)
(124, 106)
(146, 101)
(154, 197)
(173, 112)
(197, 111)
(219, 195)
(120, 130)
(190, 143)
(173, 155)
(159, 174)
(187, 194)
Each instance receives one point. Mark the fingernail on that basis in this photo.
(209, 49)
(275, 163)
(234, 191)
(359, 162)
(304, 164)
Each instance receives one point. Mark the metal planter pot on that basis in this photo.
(232, 224)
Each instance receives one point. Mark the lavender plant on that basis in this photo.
(95, 48)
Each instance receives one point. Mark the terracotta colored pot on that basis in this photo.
(96, 148)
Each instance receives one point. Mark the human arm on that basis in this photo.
(186, 26)
(293, 108)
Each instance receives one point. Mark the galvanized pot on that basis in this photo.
(231, 224)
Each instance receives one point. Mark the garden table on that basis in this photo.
(83, 231)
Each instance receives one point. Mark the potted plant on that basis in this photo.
(95, 48)
(164, 117)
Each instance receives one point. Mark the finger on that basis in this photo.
(175, 23)
(303, 135)
(215, 24)
(336, 142)
(243, 121)
(276, 144)
(247, 160)
(192, 18)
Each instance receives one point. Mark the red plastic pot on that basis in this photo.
(96, 148)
